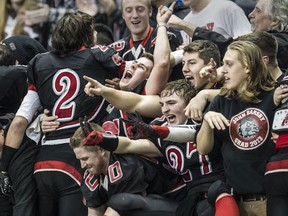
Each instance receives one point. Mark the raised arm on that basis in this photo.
(161, 70)
(146, 105)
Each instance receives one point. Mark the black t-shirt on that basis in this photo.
(246, 144)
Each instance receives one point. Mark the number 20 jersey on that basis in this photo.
(127, 173)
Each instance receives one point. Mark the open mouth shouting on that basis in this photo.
(189, 79)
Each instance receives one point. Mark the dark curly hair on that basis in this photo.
(71, 32)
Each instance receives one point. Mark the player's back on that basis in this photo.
(60, 85)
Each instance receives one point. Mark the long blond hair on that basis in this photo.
(6, 8)
(259, 78)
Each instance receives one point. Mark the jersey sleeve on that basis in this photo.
(109, 58)
(31, 75)
(90, 188)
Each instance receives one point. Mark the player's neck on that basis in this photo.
(140, 37)
(200, 6)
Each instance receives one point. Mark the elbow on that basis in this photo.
(19, 124)
(203, 146)
(202, 151)
(164, 63)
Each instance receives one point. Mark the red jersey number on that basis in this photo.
(66, 85)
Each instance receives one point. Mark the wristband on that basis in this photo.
(161, 131)
(178, 56)
(105, 141)
(163, 25)
(109, 142)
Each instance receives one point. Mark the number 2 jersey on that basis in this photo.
(60, 85)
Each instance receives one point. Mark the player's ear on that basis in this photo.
(103, 152)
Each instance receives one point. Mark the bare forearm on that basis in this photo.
(16, 132)
(189, 28)
(210, 94)
(122, 100)
(205, 139)
(146, 105)
(160, 73)
(177, 23)
(96, 211)
(139, 146)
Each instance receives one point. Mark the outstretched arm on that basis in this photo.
(121, 144)
(175, 133)
(146, 105)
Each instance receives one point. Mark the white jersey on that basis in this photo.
(224, 17)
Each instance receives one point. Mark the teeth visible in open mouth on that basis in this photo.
(188, 78)
(170, 117)
(128, 74)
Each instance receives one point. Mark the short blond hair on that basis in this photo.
(77, 139)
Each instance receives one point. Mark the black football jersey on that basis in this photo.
(60, 85)
(184, 159)
(131, 50)
(126, 173)
(114, 125)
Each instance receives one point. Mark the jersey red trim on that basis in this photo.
(143, 43)
(58, 165)
(32, 87)
(276, 165)
(282, 140)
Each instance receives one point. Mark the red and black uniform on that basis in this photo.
(60, 85)
(127, 173)
(198, 171)
(246, 144)
(131, 50)
(276, 176)
(184, 159)
(114, 125)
